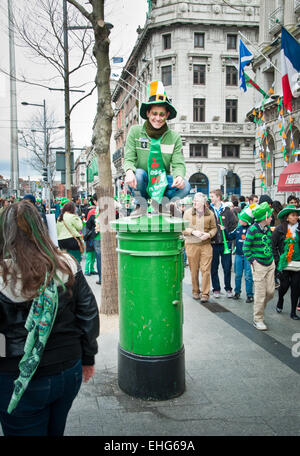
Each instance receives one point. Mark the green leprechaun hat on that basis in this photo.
(247, 215)
(157, 95)
(262, 211)
(288, 209)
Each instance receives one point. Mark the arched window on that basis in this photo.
(253, 186)
(269, 160)
(233, 184)
(200, 182)
(296, 139)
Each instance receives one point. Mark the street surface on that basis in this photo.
(239, 381)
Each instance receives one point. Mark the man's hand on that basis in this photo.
(178, 182)
(88, 372)
(130, 179)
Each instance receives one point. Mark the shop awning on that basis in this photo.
(289, 179)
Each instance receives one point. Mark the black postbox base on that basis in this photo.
(155, 378)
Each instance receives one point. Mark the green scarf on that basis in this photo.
(39, 324)
(155, 133)
(157, 176)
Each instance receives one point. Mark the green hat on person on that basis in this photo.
(157, 95)
(63, 201)
(247, 214)
(288, 209)
(262, 211)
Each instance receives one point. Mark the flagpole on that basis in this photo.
(268, 60)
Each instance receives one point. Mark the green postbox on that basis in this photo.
(151, 268)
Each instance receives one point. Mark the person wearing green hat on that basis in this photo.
(153, 161)
(257, 249)
(241, 263)
(286, 249)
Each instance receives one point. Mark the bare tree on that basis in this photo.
(101, 143)
(33, 141)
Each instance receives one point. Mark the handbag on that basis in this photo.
(293, 266)
(78, 240)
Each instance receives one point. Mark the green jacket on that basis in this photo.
(74, 224)
(137, 150)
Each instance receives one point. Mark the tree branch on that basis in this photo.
(85, 96)
(83, 11)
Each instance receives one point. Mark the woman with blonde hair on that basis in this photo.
(49, 323)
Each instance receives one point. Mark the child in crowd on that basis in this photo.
(241, 263)
(258, 250)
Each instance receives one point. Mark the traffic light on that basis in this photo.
(45, 175)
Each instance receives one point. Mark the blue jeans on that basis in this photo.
(44, 406)
(218, 251)
(97, 247)
(140, 192)
(241, 264)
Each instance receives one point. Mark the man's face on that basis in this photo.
(293, 201)
(198, 204)
(255, 200)
(269, 219)
(213, 198)
(157, 116)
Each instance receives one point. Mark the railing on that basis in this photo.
(297, 6)
(215, 128)
(276, 20)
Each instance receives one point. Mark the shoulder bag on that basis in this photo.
(77, 239)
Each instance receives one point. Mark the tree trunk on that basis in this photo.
(101, 143)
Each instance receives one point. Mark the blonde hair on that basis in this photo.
(200, 195)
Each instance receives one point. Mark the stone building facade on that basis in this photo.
(193, 48)
(275, 13)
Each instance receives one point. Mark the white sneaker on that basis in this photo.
(229, 294)
(260, 325)
(216, 294)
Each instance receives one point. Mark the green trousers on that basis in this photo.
(89, 262)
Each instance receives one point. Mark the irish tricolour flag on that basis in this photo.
(290, 68)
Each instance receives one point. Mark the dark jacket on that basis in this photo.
(229, 221)
(278, 238)
(73, 335)
(239, 235)
(90, 230)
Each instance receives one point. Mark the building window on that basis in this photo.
(231, 76)
(230, 151)
(166, 41)
(199, 74)
(231, 110)
(166, 75)
(199, 110)
(199, 40)
(198, 150)
(231, 41)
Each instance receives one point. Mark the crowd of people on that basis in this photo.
(264, 238)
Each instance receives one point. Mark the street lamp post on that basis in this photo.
(44, 131)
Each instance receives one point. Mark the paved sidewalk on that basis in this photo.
(239, 381)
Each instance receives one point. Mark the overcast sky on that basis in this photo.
(125, 15)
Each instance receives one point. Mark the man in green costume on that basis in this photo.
(153, 162)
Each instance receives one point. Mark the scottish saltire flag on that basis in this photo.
(245, 58)
(290, 67)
